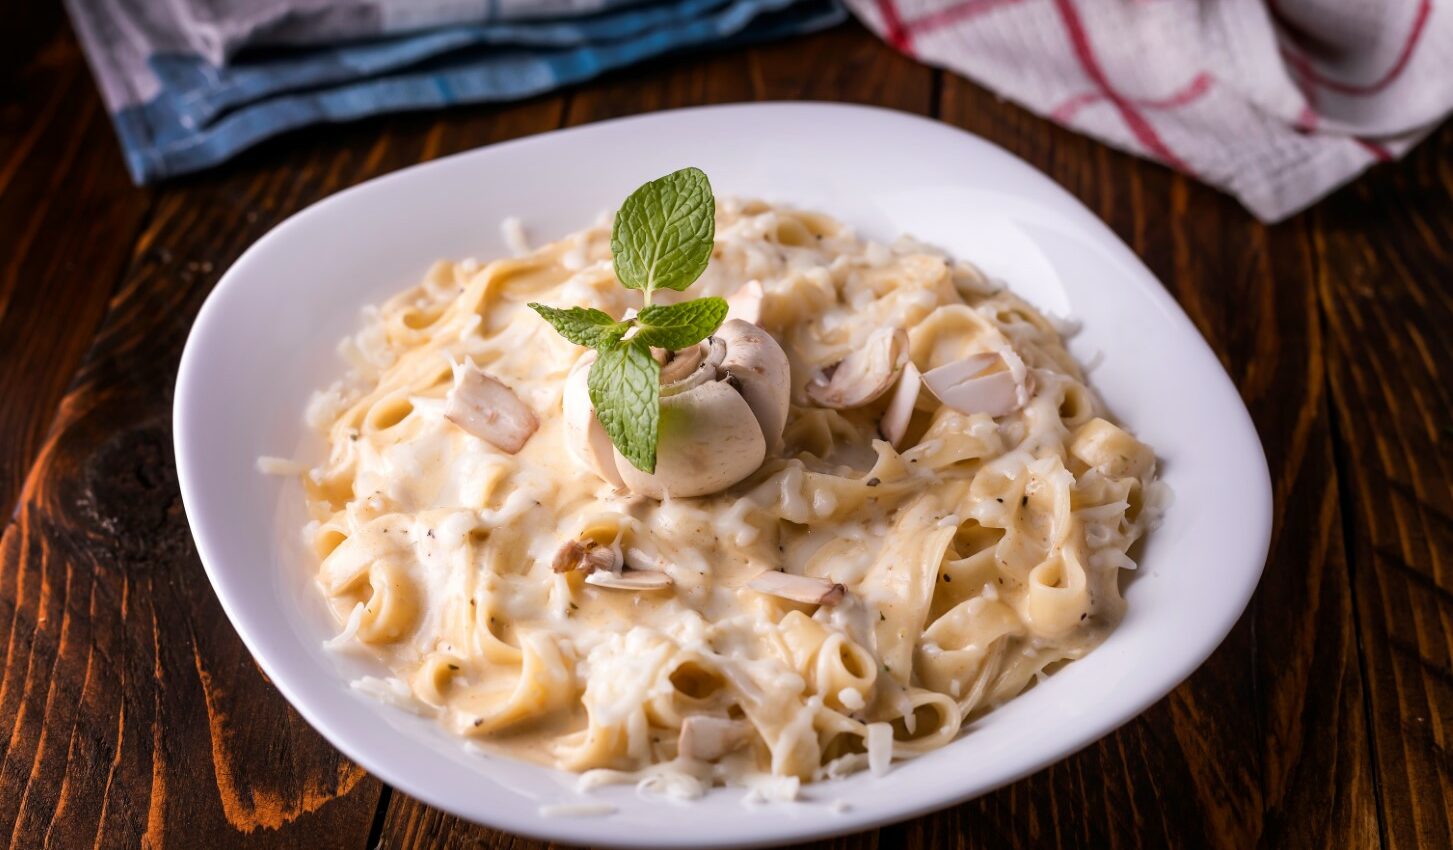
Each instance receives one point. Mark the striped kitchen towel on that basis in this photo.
(190, 83)
(1276, 101)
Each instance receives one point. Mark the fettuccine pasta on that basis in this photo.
(973, 557)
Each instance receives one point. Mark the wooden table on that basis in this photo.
(133, 716)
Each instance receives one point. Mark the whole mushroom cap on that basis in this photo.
(585, 437)
(763, 375)
(709, 440)
(723, 403)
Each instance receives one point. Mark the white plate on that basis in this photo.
(266, 337)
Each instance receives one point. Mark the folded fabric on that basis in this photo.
(1276, 101)
(190, 83)
(216, 30)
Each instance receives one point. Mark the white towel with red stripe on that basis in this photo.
(1276, 101)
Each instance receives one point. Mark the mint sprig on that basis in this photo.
(662, 239)
(625, 389)
(585, 326)
(663, 233)
(676, 326)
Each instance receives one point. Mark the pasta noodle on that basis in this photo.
(980, 553)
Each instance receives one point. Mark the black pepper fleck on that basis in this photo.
(947, 577)
(874, 482)
(999, 500)
(453, 666)
(1024, 501)
(479, 721)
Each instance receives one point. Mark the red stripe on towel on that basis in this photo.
(893, 29)
(1139, 127)
(953, 14)
(1065, 112)
(1379, 153)
(1420, 23)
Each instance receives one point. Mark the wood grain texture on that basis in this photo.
(68, 216)
(130, 714)
(133, 715)
(1384, 273)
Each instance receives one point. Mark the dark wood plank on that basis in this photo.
(844, 63)
(133, 715)
(68, 215)
(1266, 743)
(1385, 276)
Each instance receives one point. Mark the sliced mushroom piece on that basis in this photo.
(759, 367)
(746, 303)
(638, 557)
(585, 437)
(806, 589)
(588, 556)
(488, 409)
(864, 375)
(967, 386)
(630, 580)
(707, 738)
(679, 365)
(894, 423)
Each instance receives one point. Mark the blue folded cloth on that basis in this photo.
(190, 83)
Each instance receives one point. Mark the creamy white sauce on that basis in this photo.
(982, 552)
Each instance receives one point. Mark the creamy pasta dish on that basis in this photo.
(884, 500)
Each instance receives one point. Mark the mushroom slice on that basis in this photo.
(587, 555)
(630, 580)
(746, 303)
(806, 589)
(894, 423)
(585, 437)
(758, 367)
(967, 387)
(864, 375)
(683, 364)
(707, 738)
(488, 409)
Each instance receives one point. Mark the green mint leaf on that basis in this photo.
(663, 233)
(625, 388)
(676, 326)
(584, 325)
